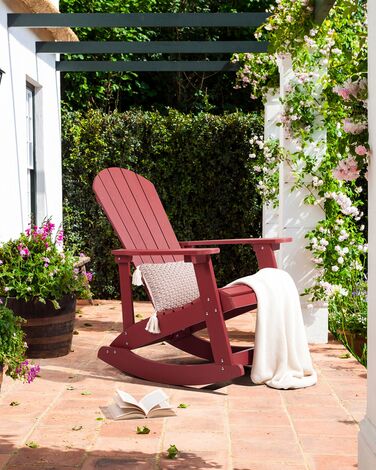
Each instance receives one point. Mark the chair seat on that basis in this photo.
(235, 297)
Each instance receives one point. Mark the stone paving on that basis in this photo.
(235, 426)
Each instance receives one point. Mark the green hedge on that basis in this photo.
(198, 163)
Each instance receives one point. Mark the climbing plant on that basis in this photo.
(327, 93)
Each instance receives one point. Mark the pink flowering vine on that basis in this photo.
(352, 127)
(361, 150)
(347, 170)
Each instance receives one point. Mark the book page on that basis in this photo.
(152, 399)
(127, 398)
(161, 412)
(126, 406)
(115, 412)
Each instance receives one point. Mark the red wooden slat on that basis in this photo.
(237, 296)
(239, 241)
(188, 253)
(160, 216)
(145, 203)
(134, 209)
(143, 238)
(117, 212)
(107, 198)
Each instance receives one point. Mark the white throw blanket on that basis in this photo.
(281, 356)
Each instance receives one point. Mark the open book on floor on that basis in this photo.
(154, 404)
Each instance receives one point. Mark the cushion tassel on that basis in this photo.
(153, 324)
(137, 277)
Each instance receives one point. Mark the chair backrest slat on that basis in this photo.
(135, 211)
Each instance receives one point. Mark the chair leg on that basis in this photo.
(219, 340)
(126, 291)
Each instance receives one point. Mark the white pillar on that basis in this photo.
(293, 218)
(270, 215)
(367, 435)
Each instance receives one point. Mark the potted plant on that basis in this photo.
(39, 281)
(13, 349)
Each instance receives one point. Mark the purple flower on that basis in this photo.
(23, 250)
(60, 237)
(27, 371)
(89, 276)
(48, 228)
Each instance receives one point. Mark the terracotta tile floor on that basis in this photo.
(233, 426)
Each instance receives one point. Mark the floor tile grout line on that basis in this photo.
(228, 430)
(106, 334)
(159, 454)
(296, 435)
(338, 400)
(37, 421)
(47, 410)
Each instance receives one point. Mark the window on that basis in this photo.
(30, 142)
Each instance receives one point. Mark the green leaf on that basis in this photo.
(85, 393)
(172, 452)
(14, 403)
(344, 356)
(142, 430)
(70, 387)
(32, 445)
(183, 405)
(99, 419)
(77, 428)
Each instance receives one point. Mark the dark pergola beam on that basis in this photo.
(126, 20)
(151, 47)
(322, 8)
(146, 66)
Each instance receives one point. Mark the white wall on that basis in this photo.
(367, 435)
(21, 64)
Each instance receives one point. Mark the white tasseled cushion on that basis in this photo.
(170, 285)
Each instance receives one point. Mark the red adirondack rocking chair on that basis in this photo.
(135, 211)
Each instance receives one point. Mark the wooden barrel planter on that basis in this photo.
(49, 332)
(356, 341)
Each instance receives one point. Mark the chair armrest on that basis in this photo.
(166, 251)
(274, 242)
